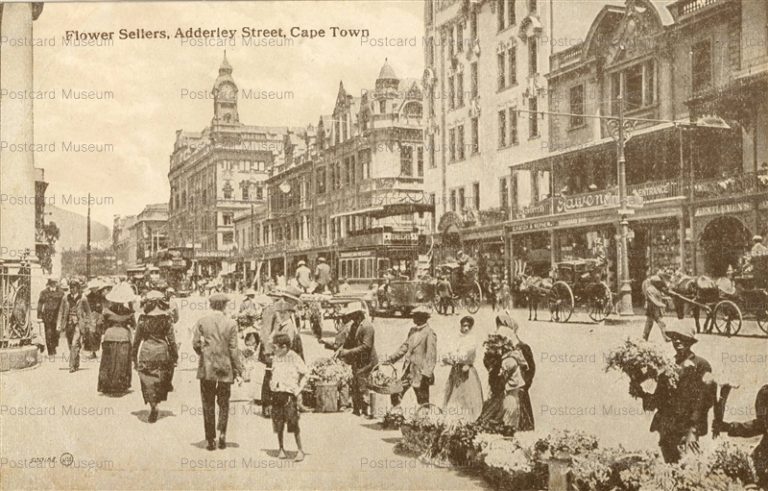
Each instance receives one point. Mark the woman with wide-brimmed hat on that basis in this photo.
(154, 352)
(117, 320)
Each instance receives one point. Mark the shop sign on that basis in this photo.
(530, 226)
(347, 255)
(723, 209)
(599, 199)
(541, 208)
(653, 191)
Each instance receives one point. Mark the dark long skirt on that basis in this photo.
(156, 380)
(115, 367)
(91, 341)
(507, 408)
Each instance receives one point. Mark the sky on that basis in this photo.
(154, 87)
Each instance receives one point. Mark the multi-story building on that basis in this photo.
(350, 190)
(151, 232)
(484, 87)
(691, 153)
(215, 174)
(124, 242)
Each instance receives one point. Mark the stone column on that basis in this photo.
(17, 220)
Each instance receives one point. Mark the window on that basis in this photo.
(503, 193)
(460, 142)
(502, 129)
(513, 140)
(475, 135)
(533, 117)
(460, 37)
(432, 161)
(451, 92)
(320, 181)
(227, 237)
(500, 17)
(473, 24)
(637, 85)
(462, 200)
(428, 11)
(701, 66)
(633, 87)
(227, 190)
(510, 12)
(260, 191)
(452, 143)
(476, 195)
(502, 82)
(533, 56)
(420, 161)
(473, 75)
(453, 200)
(451, 42)
(460, 89)
(382, 107)
(512, 63)
(430, 52)
(336, 132)
(577, 106)
(532, 5)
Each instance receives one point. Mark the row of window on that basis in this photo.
(458, 199)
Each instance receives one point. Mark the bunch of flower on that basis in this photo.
(498, 345)
(592, 472)
(393, 420)
(330, 371)
(641, 360)
(566, 442)
(734, 461)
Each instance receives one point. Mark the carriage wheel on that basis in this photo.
(473, 298)
(561, 301)
(726, 318)
(762, 320)
(601, 302)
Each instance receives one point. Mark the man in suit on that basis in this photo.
(215, 341)
(356, 348)
(48, 305)
(681, 411)
(74, 319)
(420, 352)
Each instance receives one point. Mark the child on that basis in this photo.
(289, 376)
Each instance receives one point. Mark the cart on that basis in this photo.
(580, 282)
(716, 301)
(466, 289)
(751, 290)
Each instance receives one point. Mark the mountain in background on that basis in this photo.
(73, 229)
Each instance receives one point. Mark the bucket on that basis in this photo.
(327, 398)
(380, 405)
(345, 399)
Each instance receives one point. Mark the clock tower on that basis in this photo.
(225, 96)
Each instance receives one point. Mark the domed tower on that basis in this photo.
(387, 78)
(225, 96)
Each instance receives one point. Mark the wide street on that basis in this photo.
(46, 413)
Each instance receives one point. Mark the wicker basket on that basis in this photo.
(394, 387)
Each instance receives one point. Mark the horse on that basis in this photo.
(533, 289)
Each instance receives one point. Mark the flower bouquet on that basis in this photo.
(329, 371)
(642, 361)
(384, 379)
(498, 345)
(393, 420)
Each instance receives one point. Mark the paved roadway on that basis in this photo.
(47, 412)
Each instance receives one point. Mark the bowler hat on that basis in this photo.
(683, 331)
(52, 282)
(421, 311)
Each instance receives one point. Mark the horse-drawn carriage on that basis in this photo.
(401, 297)
(466, 289)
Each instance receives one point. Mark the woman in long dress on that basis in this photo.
(507, 367)
(463, 393)
(117, 320)
(155, 353)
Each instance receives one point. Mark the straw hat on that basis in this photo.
(122, 293)
(685, 332)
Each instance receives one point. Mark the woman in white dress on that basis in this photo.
(463, 392)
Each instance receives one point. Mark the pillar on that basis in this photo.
(17, 221)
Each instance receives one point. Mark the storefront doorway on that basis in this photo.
(723, 242)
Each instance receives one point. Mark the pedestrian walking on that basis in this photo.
(118, 320)
(463, 399)
(749, 429)
(494, 291)
(420, 353)
(322, 275)
(48, 304)
(506, 296)
(681, 411)
(445, 292)
(289, 377)
(355, 346)
(507, 367)
(155, 352)
(654, 288)
(303, 276)
(74, 319)
(215, 342)
(92, 337)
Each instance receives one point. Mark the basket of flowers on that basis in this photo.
(642, 361)
(385, 380)
(326, 377)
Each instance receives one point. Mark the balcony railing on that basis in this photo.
(739, 185)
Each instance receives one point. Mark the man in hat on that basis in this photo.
(681, 411)
(215, 341)
(355, 346)
(48, 311)
(95, 297)
(420, 352)
(303, 276)
(322, 275)
(74, 319)
(653, 289)
(758, 249)
(249, 307)
(445, 292)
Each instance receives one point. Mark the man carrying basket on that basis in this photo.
(420, 352)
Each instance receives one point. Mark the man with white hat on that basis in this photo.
(303, 276)
(758, 249)
(420, 352)
(681, 411)
(322, 275)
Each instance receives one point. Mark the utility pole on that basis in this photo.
(625, 291)
(88, 241)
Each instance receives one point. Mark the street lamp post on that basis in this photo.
(625, 291)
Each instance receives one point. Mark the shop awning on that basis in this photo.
(403, 209)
